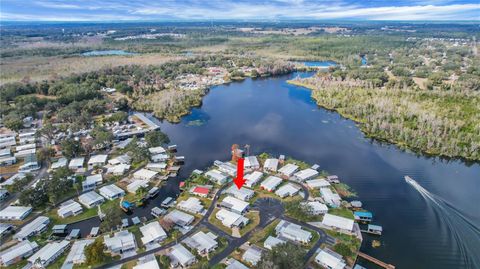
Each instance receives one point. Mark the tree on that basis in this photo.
(94, 253)
(113, 217)
(343, 249)
(282, 256)
(45, 153)
(156, 138)
(137, 153)
(13, 122)
(102, 137)
(70, 148)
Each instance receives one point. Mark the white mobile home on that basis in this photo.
(242, 193)
(292, 232)
(287, 190)
(145, 174)
(338, 223)
(180, 256)
(97, 160)
(270, 165)
(202, 242)
(76, 164)
(305, 174)
(216, 176)
(111, 192)
(152, 233)
(288, 169)
(271, 183)
(18, 252)
(91, 199)
(253, 178)
(231, 219)
(49, 253)
(91, 182)
(35, 227)
(69, 208)
(15, 212)
(137, 184)
(330, 259)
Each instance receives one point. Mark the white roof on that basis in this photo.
(331, 259)
(159, 157)
(288, 169)
(317, 183)
(25, 147)
(271, 182)
(179, 217)
(338, 222)
(145, 174)
(34, 226)
(306, 174)
(17, 250)
(252, 255)
(216, 175)
(12, 179)
(93, 179)
(49, 251)
(118, 169)
(271, 164)
(251, 161)
(121, 240)
(151, 264)
(110, 191)
(201, 241)
(229, 218)
(330, 197)
(253, 178)
(100, 158)
(14, 212)
(25, 152)
(272, 241)
(234, 204)
(160, 165)
(59, 163)
(137, 184)
(76, 254)
(192, 204)
(292, 231)
(181, 254)
(242, 193)
(122, 159)
(152, 232)
(77, 162)
(287, 190)
(69, 206)
(89, 198)
(317, 206)
(157, 150)
(234, 264)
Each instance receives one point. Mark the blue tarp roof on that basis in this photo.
(363, 214)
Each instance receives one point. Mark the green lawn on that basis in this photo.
(259, 237)
(342, 212)
(254, 217)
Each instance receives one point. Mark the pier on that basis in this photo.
(376, 261)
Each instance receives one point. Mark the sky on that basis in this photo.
(167, 10)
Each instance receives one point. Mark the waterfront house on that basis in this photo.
(191, 205)
(293, 232)
(157, 212)
(305, 174)
(271, 241)
(331, 198)
(252, 255)
(363, 216)
(270, 165)
(288, 169)
(271, 183)
(91, 182)
(157, 167)
(180, 256)
(317, 208)
(253, 178)
(97, 161)
(76, 254)
(17, 253)
(374, 229)
(49, 253)
(144, 174)
(231, 219)
(152, 233)
(203, 243)
(333, 179)
(235, 205)
(91, 199)
(226, 167)
(216, 176)
(111, 192)
(251, 162)
(327, 258)
(15, 212)
(287, 190)
(162, 157)
(201, 191)
(180, 218)
(137, 184)
(76, 164)
(69, 208)
(243, 193)
(317, 183)
(338, 223)
(120, 242)
(156, 150)
(34, 227)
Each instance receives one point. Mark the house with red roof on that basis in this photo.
(201, 191)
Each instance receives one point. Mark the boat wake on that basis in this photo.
(462, 229)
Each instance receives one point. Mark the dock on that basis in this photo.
(376, 261)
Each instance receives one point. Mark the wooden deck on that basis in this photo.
(376, 261)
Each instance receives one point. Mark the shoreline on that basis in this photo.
(400, 145)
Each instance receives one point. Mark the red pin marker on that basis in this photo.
(239, 180)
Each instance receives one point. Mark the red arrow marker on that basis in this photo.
(239, 180)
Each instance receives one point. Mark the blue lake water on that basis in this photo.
(106, 53)
(320, 64)
(273, 116)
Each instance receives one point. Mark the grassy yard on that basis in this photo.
(342, 212)
(59, 261)
(86, 214)
(347, 245)
(254, 217)
(213, 220)
(259, 237)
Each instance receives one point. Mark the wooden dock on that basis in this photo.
(376, 261)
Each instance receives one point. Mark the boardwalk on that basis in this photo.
(376, 261)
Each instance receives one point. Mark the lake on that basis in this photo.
(438, 231)
(273, 116)
(107, 53)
